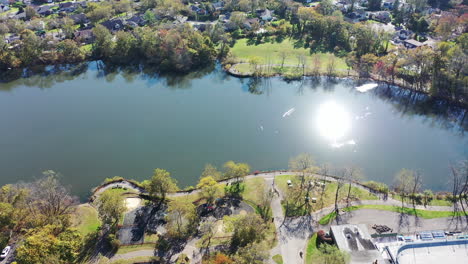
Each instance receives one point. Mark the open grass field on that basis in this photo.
(85, 219)
(253, 189)
(421, 213)
(271, 54)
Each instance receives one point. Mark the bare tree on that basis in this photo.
(331, 67)
(339, 185)
(316, 65)
(49, 199)
(283, 55)
(303, 163)
(302, 61)
(353, 175)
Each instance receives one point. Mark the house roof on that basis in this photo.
(414, 42)
(116, 24)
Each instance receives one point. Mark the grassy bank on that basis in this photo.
(272, 53)
(421, 213)
(85, 219)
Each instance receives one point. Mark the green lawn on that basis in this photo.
(311, 249)
(271, 53)
(253, 189)
(421, 213)
(85, 219)
(433, 202)
(126, 249)
(278, 259)
(328, 198)
(105, 260)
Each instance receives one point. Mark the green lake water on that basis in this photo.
(89, 123)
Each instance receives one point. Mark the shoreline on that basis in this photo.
(231, 71)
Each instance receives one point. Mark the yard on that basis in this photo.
(271, 53)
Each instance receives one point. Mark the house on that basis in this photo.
(44, 10)
(250, 22)
(4, 8)
(265, 15)
(84, 36)
(79, 18)
(382, 16)
(137, 19)
(67, 7)
(114, 25)
(21, 15)
(404, 34)
(388, 4)
(218, 5)
(411, 44)
(12, 38)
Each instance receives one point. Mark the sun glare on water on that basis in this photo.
(333, 121)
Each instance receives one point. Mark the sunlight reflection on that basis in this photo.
(333, 121)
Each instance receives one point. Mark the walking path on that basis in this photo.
(133, 254)
(292, 233)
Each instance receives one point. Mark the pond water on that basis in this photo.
(90, 122)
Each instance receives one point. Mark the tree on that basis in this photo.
(374, 5)
(211, 171)
(331, 67)
(31, 47)
(238, 18)
(326, 7)
(248, 229)
(69, 51)
(264, 205)
(99, 12)
(181, 218)
(30, 12)
(103, 46)
(303, 163)
(405, 181)
(209, 189)
(235, 170)
(44, 245)
(125, 45)
(330, 254)
(366, 64)
(254, 253)
(48, 201)
(110, 206)
(353, 175)
(160, 184)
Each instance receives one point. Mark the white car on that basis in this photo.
(5, 252)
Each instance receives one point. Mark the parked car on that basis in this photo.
(5, 252)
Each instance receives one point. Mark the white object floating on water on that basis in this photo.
(261, 128)
(366, 87)
(289, 112)
(341, 144)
